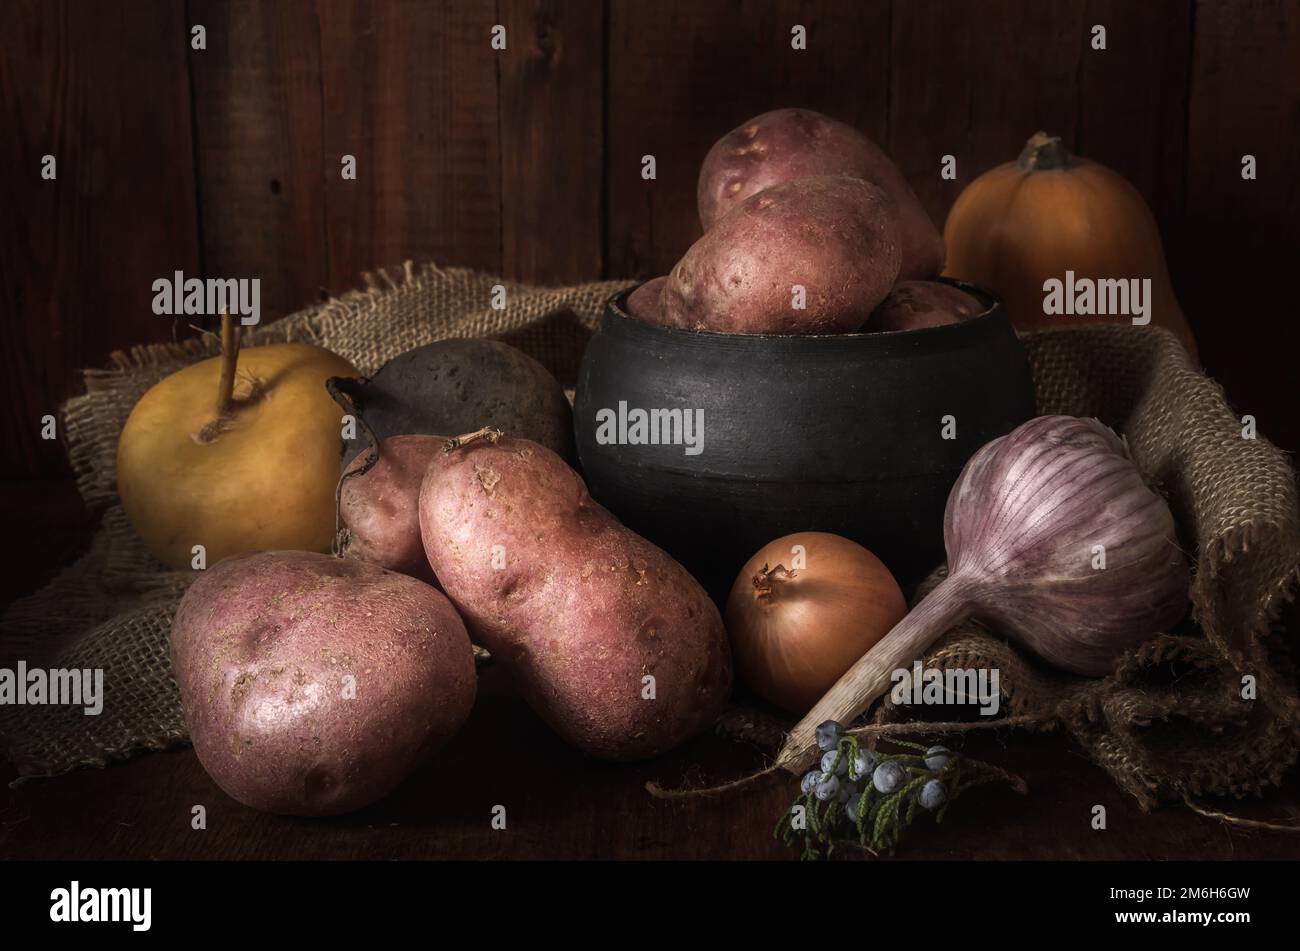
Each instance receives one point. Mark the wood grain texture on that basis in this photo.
(257, 103)
(562, 805)
(1237, 251)
(552, 141)
(103, 88)
(1133, 98)
(528, 160)
(683, 73)
(410, 89)
(975, 80)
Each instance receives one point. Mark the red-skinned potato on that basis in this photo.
(644, 302)
(578, 608)
(380, 508)
(786, 144)
(812, 256)
(915, 304)
(313, 685)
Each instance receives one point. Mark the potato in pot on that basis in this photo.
(812, 256)
(786, 144)
(612, 642)
(313, 685)
(913, 305)
(643, 303)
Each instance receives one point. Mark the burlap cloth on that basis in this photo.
(1171, 722)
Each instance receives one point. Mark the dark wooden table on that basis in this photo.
(559, 804)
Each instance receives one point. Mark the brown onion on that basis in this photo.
(803, 610)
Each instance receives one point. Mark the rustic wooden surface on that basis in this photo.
(78, 254)
(1240, 237)
(561, 805)
(226, 162)
(552, 142)
(258, 114)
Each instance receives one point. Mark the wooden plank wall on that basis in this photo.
(226, 161)
(78, 254)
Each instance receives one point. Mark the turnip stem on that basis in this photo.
(870, 677)
(230, 332)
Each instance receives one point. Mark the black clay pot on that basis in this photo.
(842, 434)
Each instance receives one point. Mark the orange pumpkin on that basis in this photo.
(1028, 222)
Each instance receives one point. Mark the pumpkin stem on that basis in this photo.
(1043, 153)
(766, 581)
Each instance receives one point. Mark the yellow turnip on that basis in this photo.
(237, 453)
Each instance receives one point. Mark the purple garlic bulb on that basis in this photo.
(1062, 546)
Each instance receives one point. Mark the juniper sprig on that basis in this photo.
(880, 819)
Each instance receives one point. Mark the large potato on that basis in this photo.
(380, 508)
(578, 608)
(787, 144)
(812, 256)
(312, 685)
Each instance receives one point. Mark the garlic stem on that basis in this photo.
(951, 602)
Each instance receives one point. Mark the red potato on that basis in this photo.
(313, 685)
(812, 256)
(915, 304)
(380, 508)
(787, 144)
(644, 302)
(577, 607)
